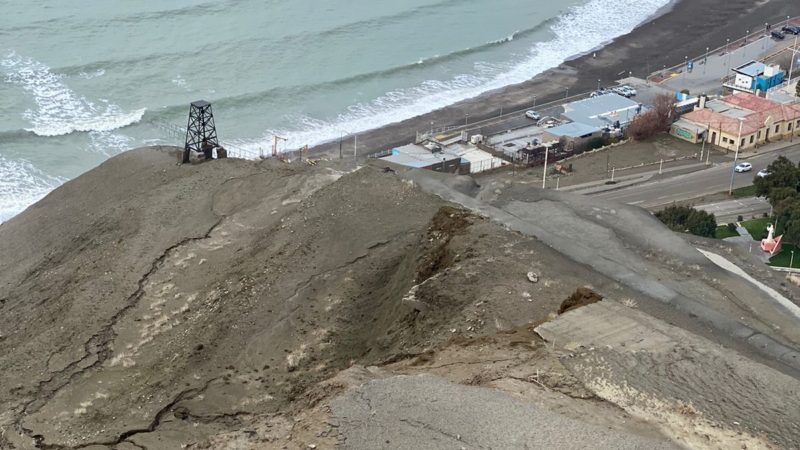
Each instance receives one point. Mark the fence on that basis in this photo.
(739, 42)
(178, 134)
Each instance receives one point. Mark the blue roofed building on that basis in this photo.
(603, 111)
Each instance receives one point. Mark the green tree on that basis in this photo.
(688, 220)
(779, 194)
(787, 214)
(797, 89)
(782, 174)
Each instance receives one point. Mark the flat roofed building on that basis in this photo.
(603, 110)
(755, 76)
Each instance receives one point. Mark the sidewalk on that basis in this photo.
(594, 187)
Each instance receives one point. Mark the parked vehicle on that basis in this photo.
(791, 29)
(777, 35)
(531, 114)
(763, 173)
(621, 91)
(631, 91)
(743, 167)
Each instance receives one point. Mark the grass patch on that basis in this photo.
(758, 227)
(783, 258)
(723, 232)
(745, 191)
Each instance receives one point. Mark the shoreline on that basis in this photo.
(687, 26)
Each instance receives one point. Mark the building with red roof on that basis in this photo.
(739, 121)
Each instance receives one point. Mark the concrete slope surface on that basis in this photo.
(226, 304)
(630, 246)
(428, 412)
(663, 374)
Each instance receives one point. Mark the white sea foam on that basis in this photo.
(59, 110)
(96, 74)
(22, 184)
(604, 22)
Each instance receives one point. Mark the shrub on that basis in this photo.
(654, 121)
(739, 218)
(596, 143)
(686, 219)
(732, 227)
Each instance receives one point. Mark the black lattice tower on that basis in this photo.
(201, 135)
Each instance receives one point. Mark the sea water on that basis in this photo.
(81, 81)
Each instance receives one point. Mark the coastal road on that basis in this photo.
(729, 210)
(716, 179)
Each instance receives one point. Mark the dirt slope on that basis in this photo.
(152, 305)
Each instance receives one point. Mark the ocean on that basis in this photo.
(83, 81)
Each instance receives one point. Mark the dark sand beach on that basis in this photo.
(685, 29)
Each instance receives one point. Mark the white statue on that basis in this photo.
(771, 231)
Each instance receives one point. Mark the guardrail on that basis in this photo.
(736, 43)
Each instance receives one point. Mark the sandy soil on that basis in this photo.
(216, 305)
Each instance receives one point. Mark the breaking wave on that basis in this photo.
(59, 110)
(570, 38)
(22, 184)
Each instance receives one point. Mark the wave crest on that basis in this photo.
(59, 110)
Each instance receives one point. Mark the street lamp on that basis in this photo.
(793, 51)
(534, 102)
(466, 119)
(431, 129)
(341, 139)
(598, 84)
(736, 155)
(567, 94)
(705, 61)
(791, 260)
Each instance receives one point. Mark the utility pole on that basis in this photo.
(275, 139)
(355, 147)
(736, 155)
(341, 138)
(544, 172)
(703, 147)
(793, 51)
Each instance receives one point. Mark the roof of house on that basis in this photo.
(413, 155)
(602, 110)
(751, 69)
(756, 113)
(697, 129)
(574, 129)
(749, 101)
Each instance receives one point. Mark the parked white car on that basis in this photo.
(743, 167)
(763, 173)
(531, 114)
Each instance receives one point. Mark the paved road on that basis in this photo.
(713, 180)
(426, 412)
(727, 211)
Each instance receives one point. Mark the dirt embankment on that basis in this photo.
(231, 303)
(203, 294)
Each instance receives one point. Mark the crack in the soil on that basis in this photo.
(99, 342)
(426, 426)
(186, 394)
